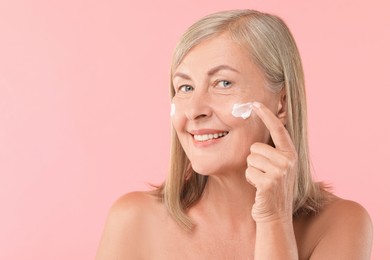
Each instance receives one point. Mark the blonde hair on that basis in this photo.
(272, 47)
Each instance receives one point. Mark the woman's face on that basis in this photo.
(212, 77)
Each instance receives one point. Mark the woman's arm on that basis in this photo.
(272, 170)
(347, 225)
(275, 240)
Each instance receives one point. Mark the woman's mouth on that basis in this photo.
(206, 137)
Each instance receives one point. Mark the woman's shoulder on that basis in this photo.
(129, 224)
(338, 211)
(136, 201)
(340, 225)
(136, 208)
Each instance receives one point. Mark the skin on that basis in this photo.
(246, 209)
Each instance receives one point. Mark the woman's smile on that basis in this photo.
(207, 137)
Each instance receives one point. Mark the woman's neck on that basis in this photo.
(227, 200)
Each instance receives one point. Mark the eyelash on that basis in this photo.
(223, 80)
(179, 88)
(216, 83)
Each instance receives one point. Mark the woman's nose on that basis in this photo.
(198, 106)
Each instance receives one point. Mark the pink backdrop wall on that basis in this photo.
(75, 75)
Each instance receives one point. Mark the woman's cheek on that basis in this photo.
(237, 111)
(173, 109)
(177, 114)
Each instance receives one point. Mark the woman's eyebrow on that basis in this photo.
(209, 73)
(221, 67)
(181, 75)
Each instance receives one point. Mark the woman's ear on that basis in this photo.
(282, 106)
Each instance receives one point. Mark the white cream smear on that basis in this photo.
(242, 110)
(173, 109)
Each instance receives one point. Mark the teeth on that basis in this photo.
(209, 136)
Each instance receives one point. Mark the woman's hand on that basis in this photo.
(272, 171)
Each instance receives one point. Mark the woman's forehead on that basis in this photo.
(217, 51)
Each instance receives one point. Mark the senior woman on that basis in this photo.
(239, 184)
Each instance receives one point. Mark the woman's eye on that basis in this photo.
(224, 84)
(185, 88)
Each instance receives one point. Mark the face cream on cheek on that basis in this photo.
(173, 109)
(242, 110)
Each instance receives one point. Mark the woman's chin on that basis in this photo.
(205, 170)
(212, 170)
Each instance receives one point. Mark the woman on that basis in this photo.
(239, 187)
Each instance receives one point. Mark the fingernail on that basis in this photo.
(256, 104)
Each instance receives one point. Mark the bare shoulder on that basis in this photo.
(127, 224)
(133, 209)
(134, 203)
(347, 211)
(346, 217)
(341, 230)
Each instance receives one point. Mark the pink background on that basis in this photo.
(84, 109)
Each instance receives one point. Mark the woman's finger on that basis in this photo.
(262, 163)
(253, 176)
(272, 183)
(271, 153)
(279, 133)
